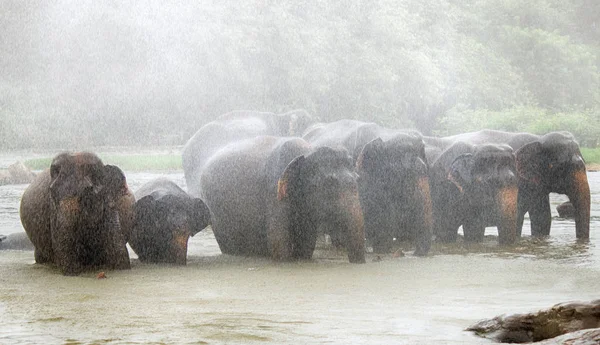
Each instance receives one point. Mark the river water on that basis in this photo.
(220, 299)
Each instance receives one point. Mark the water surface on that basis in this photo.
(220, 299)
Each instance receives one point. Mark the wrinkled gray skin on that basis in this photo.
(231, 127)
(393, 180)
(165, 217)
(551, 163)
(15, 241)
(566, 210)
(474, 186)
(269, 196)
(71, 213)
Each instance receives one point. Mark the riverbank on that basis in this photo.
(173, 161)
(125, 161)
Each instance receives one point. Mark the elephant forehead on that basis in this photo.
(329, 158)
(497, 155)
(77, 159)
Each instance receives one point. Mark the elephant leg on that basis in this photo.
(523, 206)
(117, 256)
(378, 233)
(42, 256)
(337, 238)
(474, 230)
(447, 212)
(446, 223)
(541, 217)
(381, 242)
(377, 229)
(224, 240)
(305, 240)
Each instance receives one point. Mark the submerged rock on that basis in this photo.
(566, 210)
(561, 319)
(16, 173)
(583, 337)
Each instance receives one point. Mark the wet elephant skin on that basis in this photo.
(550, 163)
(269, 196)
(231, 127)
(393, 180)
(474, 186)
(165, 218)
(71, 213)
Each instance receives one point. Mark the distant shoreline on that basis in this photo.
(160, 161)
(593, 167)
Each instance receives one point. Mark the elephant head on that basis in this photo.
(318, 190)
(486, 178)
(395, 172)
(71, 213)
(163, 225)
(554, 164)
(398, 159)
(292, 123)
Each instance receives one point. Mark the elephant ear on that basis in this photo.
(460, 173)
(144, 208)
(369, 156)
(289, 177)
(114, 182)
(200, 216)
(530, 162)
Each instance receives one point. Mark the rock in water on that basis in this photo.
(16, 173)
(583, 337)
(566, 210)
(561, 319)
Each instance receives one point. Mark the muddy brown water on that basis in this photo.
(220, 299)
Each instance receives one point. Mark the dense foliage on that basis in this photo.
(97, 73)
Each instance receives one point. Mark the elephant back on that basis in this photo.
(232, 127)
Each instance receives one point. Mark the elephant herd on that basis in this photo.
(269, 184)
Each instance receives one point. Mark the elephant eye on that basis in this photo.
(54, 171)
(550, 166)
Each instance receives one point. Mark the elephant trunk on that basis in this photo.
(425, 230)
(507, 214)
(355, 228)
(580, 198)
(179, 248)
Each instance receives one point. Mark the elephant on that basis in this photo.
(165, 217)
(231, 127)
(566, 210)
(474, 186)
(269, 196)
(76, 214)
(393, 180)
(545, 164)
(15, 241)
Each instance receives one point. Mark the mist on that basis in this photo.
(87, 73)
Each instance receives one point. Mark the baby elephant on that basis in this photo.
(165, 217)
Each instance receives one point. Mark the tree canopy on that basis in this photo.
(88, 73)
